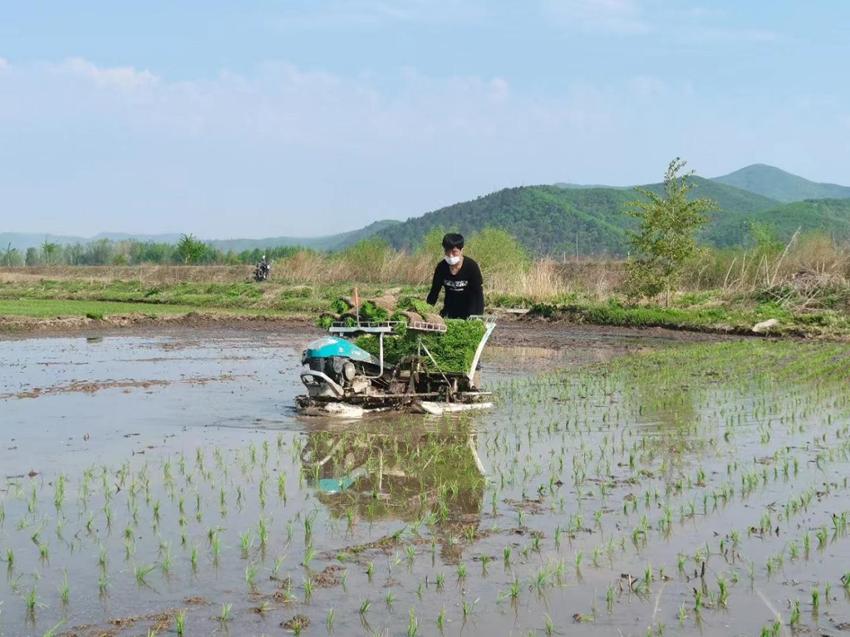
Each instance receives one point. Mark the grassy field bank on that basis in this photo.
(724, 297)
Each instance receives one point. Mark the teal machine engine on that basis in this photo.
(336, 365)
(343, 379)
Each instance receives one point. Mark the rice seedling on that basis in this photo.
(51, 632)
(309, 555)
(246, 541)
(141, 572)
(59, 492)
(215, 547)
(515, 589)
(65, 589)
(794, 619)
(441, 619)
(251, 576)
(647, 578)
(822, 537)
(225, 614)
(180, 623)
(31, 600)
(308, 589)
(262, 532)
(461, 571)
(412, 624)
(440, 581)
(698, 601)
(467, 608)
(365, 605)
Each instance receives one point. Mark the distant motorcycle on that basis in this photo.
(262, 271)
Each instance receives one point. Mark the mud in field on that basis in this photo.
(632, 483)
(24, 326)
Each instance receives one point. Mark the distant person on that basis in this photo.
(262, 270)
(461, 278)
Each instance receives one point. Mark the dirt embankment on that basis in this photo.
(80, 324)
(154, 274)
(513, 330)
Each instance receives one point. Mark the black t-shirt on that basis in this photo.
(464, 291)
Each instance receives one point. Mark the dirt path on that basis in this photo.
(12, 327)
(516, 332)
(511, 331)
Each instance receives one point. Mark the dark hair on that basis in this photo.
(453, 240)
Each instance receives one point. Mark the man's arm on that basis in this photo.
(476, 292)
(434, 294)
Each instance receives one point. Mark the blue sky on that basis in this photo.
(307, 118)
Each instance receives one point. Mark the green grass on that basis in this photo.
(59, 298)
(705, 311)
(53, 308)
(704, 314)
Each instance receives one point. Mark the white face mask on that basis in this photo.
(451, 260)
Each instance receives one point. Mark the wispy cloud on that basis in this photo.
(716, 25)
(611, 16)
(720, 34)
(672, 22)
(307, 152)
(325, 14)
(119, 77)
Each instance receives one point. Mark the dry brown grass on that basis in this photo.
(815, 259)
(391, 268)
(148, 273)
(810, 264)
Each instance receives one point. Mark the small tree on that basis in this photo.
(666, 239)
(432, 242)
(365, 260)
(11, 257)
(32, 258)
(190, 250)
(50, 252)
(497, 251)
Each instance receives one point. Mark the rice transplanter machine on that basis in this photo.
(343, 379)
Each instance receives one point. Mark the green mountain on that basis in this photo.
(553, 219)
(829, 216)
(22, 241)
(777, 184)
(329, 242)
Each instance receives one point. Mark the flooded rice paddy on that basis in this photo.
(624, 485)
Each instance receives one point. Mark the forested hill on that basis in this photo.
(328, 242)
(22, 241)
(780, 185)
(829, 216)
(553, 219)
